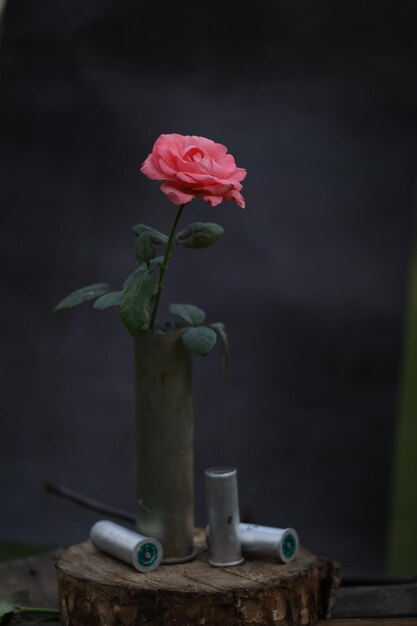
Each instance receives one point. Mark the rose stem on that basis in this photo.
(164, 264)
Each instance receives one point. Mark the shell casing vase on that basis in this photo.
(165, 442)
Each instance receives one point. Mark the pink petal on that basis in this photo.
(239, 174)
(172, 140)
(213, 200)
(201, 178)
(193, 153)
(196, 140)
(175, 195)
(186, 166)
(238, 198)
(148, 168)
(169, 171)
(168, 147)
(186, 178)
(218, 190)
(221, 169)
(209, 146)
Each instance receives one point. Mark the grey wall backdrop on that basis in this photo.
(318, 102)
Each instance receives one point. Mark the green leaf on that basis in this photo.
(157, 237)
(190, 313)
(136, 301)
(82, 295)
(144, 248)
(107, 300)
(199, 339)
(132, 276)
(199, 235)
(221, 329)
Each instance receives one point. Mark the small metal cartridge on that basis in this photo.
(223, 516)
(269, 543)
(144, 553)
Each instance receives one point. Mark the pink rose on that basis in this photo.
(192, 167)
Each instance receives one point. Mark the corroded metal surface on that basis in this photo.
(164, 442)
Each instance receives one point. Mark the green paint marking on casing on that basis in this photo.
(147, 554)
(289, 546)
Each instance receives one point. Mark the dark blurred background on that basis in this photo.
(318, 101)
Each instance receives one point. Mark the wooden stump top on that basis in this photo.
(96, 589)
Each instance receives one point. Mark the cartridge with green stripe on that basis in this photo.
(144, 553)
(265, 542)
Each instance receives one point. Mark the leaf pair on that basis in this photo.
(83, 295)
(137, 296)
(101, 292)
(135, 300)
(197, 338)
(199, 235)
(196, 235)
(157, 237)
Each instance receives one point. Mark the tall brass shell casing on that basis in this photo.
(165, 442)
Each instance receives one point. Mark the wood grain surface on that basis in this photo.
(98, 590)
(33, 581)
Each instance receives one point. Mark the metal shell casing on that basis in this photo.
(223, 516)
(165, 442)
(265, 542)
(144, 553)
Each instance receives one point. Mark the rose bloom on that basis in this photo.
(192, 167)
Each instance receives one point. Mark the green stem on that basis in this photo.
(164, 265)
(35, 609)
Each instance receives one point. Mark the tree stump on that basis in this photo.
(97, 590)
